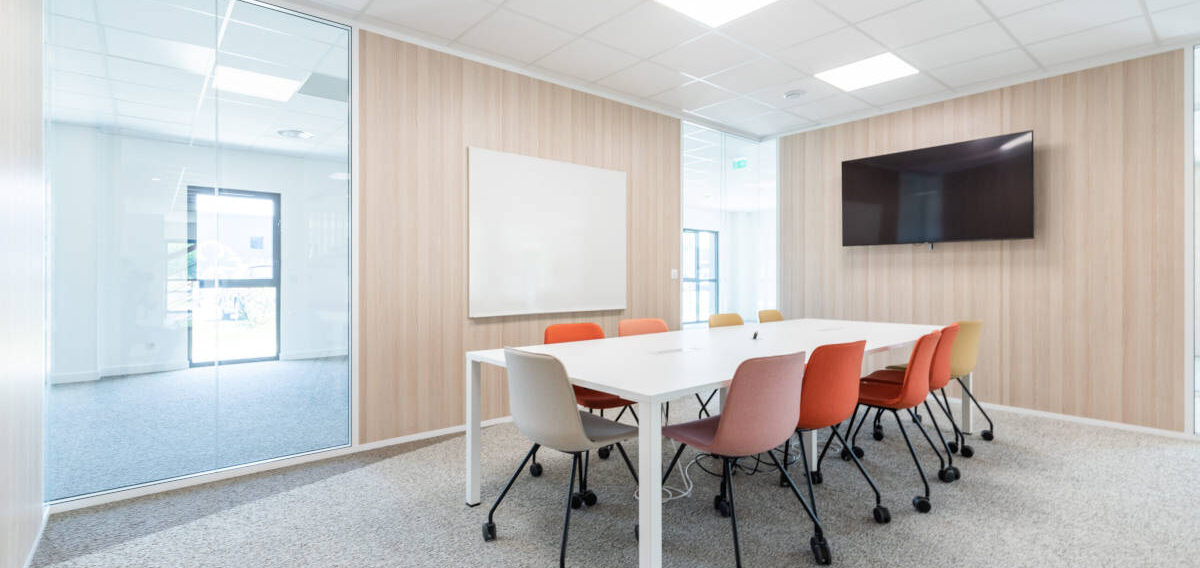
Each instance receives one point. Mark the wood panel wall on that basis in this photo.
(22, 289)
(1085, 319)
(419, 111)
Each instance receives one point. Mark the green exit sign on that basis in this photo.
(740, 163)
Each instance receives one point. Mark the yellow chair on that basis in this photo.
(765, 316)
(724, 320)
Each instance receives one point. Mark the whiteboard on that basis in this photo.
(544, 236)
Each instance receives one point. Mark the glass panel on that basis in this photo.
(687, 255)
(707, 300)
(242, 246)
(690, 311)
(708, 254)
(234, 324)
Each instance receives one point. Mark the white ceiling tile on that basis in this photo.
(586, 59)
(705, 55)
(775, 122)
(514, 36)
(442, 18)
(575, 16)
(1156, 5)
(152, 112)
(923, 20)
(75, 34)
(1001, 8)
(975, 41)
(289, 24)
(80, 102)
(1068, 16)
(75, 61)
(987, 68)
(644, 79)
(162, 20)
(812, 90)
(1177, 22)
(902, 89)
(1096, 41)
(336, 63)
(176, 54)
(831, 107)
(350, 5)
(733, 110)
(858, 10)
(129, 71)
(755, 75)
(78, 83)
(846, 45)
(647, 30)
(693, 95)
(80, 9)
(783, 23)
(142, 94)
(270, 46)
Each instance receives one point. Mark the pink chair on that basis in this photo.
(760, 413)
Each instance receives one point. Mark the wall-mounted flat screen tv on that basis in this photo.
(976, 190)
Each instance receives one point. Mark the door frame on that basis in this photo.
(274, 282)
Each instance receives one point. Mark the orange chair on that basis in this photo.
(829, 397)
(641, 326)
(905, 395)
(939, 377)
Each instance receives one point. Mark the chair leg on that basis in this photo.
(920, 502)
(628, 463)
(960, 440)
(704, 404)
(986, 434)
(808, 477)
(881, 513)
(829, 440)
(674, 460)
(932, 445)
(853, 447)
(737, 547)
(535, 468)
(635, 416)
(820, 547)
(877, 427)
(576, 466)
(949, 473)
(489, 528)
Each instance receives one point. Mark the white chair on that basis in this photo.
(544, 410)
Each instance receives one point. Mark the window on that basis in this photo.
(701, 283)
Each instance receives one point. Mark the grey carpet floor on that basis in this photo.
(122, 431)
(1045, 493)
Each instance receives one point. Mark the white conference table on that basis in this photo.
(656, 368)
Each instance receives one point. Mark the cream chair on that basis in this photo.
(766, 316)
(724, 320)
(544, 410)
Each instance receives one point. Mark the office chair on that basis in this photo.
(543, 408)
(830, 396)
(716, 320)
(760, 413)
(765, 316)
(641, 326)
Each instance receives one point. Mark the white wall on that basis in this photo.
(111, 224)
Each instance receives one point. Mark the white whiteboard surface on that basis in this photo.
(545, 236)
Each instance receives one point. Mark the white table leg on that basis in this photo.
(811, 447)
(722, 394)
(650, 487)
(474, 370)
(968, 417)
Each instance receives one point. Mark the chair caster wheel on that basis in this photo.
(917, 418)
(489, 532)
(877, 435)
(717, 499)
(987, 435)
(858, 452)
(576, 501)
(820, 550)
(845, 454)
(817, 478)
(966, 451)
(882, 515)
(589, 498)
(783, 480)
(723, 508)
(953, 446)
(949, 474)
(604, 452)
(535, 470)
(922, 504)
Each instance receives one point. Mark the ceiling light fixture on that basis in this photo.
(715, 13)
(251, 84)
(295, 133)
(795, 94)
(870, 71)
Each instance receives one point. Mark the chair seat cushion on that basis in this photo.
(698, 434)
(886, 376)
(883, 394)
(603, 431)
(597, 400)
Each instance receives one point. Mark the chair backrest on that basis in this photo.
(542, 402)
(762, 406)
(966, 348)
(724, 320)
(641, 326)
(565, 332)
(939, 367)
(915, 387)
(765, 316)
(831, 380)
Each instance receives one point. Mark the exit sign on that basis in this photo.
(740, 163)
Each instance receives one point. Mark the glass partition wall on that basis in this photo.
(729, 246)
(198, 160)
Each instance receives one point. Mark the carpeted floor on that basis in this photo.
(1045, 493)
(122, 431)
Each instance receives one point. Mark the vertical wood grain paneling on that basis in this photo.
(419, 112)
(1085, 319)
(22, 289)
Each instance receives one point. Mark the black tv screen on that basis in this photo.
(976, 190)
